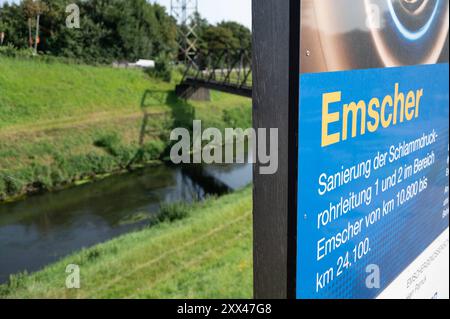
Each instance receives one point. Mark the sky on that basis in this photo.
(219, 10)
(215, 10)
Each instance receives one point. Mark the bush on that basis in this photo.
(12, 52)
(58, 176)
(124, 154)
(172, 212)
(95, 164)
(153, 150)
(42, 176)
(85, 165)
(162, 70)
(113, 145)
(108, 141)
(13, 185)
(150, 151)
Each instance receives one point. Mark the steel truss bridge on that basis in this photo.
(225, 70)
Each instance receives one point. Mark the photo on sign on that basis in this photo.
(373, 150)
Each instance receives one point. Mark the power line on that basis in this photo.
(185, 12)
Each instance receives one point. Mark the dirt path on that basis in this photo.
(52, 126)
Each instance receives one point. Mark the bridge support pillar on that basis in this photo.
(193, 93)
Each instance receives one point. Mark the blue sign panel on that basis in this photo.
(372, 176)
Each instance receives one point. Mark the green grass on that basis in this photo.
(34, 91)
(62, 123)
(207, 254)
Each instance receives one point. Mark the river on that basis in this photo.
(44, 228)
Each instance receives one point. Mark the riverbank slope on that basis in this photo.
(62, 124)
(205, 255)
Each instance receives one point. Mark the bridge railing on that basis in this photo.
(227, 68)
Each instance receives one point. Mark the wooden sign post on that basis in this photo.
(275, 93)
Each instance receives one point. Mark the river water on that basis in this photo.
(44, 228)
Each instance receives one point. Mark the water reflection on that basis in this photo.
(44, 228)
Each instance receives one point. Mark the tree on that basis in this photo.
(33, 9)
(230, 36)
(2, 32)
(12, 18)
(216, 37)
(240, 32)
(30, 9)
(111, 30)
(224, 35)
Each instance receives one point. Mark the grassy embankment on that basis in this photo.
(205, 255)
(63, 124)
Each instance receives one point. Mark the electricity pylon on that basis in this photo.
(185, 11)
